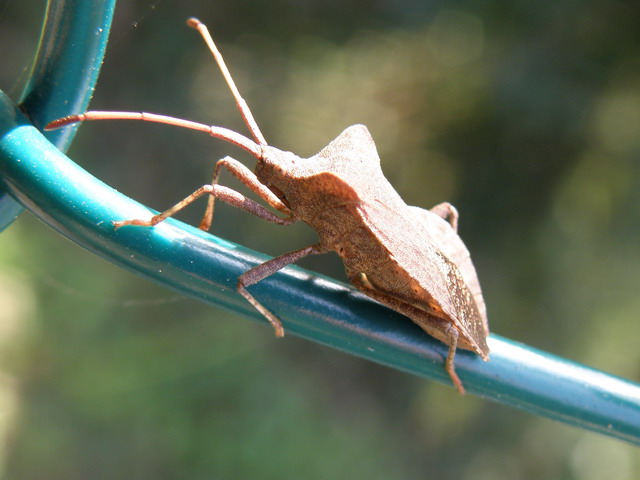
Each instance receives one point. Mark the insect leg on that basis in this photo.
(225, 194)
(266, 269)
(434, 326)
(449, 364)
(448, 212)
(247, 177)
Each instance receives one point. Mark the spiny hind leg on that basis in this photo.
(448, 334)
(449, 364)
(434, 326)
(448, 212)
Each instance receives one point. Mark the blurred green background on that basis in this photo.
(525, 115)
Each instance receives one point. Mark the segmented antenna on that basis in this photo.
(243, 108)
(218, 132)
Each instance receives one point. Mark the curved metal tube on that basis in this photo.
(64, 72)
(200, 265)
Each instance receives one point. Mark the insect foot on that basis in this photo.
(407, 258)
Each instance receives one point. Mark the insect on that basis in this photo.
(407, 258)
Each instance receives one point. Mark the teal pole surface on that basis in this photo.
(64, 72)
(203, 266)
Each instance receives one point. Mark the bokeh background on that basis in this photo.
(525, 115)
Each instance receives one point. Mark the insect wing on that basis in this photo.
(448, 242)
(468, 319)
(414, 248)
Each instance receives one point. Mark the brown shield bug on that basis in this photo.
(407, 258)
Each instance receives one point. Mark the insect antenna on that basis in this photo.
(219, 132)
(243, 108)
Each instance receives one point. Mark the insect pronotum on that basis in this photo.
(407, 258)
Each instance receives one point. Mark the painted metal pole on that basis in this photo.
(203, 266)
(64, 72)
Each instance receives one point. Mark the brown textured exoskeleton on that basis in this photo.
(407, 258)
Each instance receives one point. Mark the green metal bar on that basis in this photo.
(206, 267)
(64, 72)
